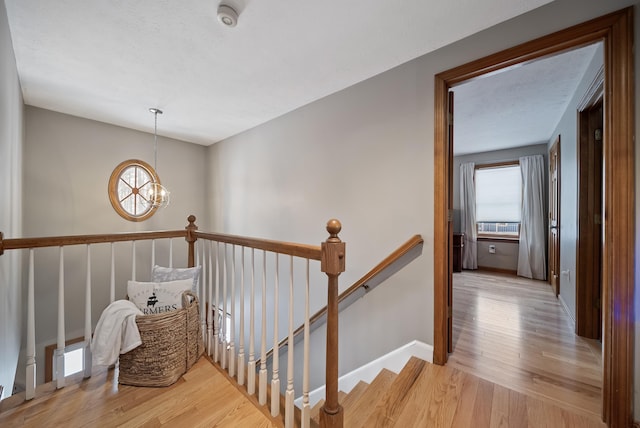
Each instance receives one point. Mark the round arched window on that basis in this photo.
(130, 186)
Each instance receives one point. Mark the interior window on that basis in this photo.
(498, 200)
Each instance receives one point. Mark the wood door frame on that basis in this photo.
(616, 31)
(556, 253)
(589, 237)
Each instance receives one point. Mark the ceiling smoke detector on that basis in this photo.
(227, 15)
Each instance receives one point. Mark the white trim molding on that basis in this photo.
(394, 361)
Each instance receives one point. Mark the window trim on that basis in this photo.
(113, 189)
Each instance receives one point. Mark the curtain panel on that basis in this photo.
(468, 216)
(532, 254)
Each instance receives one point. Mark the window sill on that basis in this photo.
(513, 240)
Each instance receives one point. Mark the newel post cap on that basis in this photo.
(333, 250)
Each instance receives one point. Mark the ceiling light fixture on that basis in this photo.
(227, 15)
(157, 195)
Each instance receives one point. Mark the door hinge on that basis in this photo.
(449, 311)
(597, 134)
(450, 119)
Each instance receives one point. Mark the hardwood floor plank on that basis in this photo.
(445, 397)
(500, 408)
(483, 404)
(463, 416)
(518, 410)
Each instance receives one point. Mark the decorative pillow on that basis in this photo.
(164, 274)
(158, 297)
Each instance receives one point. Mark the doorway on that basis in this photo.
(616, 31)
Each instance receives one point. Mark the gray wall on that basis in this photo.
(67, 164)
(506, 255)
(365, 156)
(11, 140)
(567, 130)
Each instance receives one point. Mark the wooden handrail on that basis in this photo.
(312, 252)
(60, 241)
(406, 253)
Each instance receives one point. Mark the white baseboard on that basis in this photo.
(394, 361)
(566, 309)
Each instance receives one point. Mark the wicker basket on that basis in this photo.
(163, 357)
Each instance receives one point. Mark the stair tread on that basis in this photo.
(365, 404)
(393, 401)
(433, 399)
(354, 395)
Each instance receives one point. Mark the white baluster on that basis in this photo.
(211, 314)
(305, 417)
(87, 318)
(289, 394)
(170, 252)
(251, 370)
(223, 323)
(202, 284)
(215, 310)
(59, 352)
(262, 391)
(232, 313)
(112, 283)
(197, 247)
(275, 379)
(31, 333)
(133, 260)
(241, 366)
(153, 254)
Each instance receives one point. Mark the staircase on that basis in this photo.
(428, 395)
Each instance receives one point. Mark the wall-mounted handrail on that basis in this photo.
(393, 263)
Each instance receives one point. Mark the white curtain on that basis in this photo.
(468, 216)
(532, 254)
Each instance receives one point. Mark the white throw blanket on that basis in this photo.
(116, 332)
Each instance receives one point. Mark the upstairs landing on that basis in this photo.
(203, 397)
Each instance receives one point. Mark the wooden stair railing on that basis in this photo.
(393, 263)
(330, 253)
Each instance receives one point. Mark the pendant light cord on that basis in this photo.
(155, 112)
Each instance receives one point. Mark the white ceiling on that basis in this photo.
(518, 106)
(111, 60)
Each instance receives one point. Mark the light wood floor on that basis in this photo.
(201, 398)
(514, 332)
(424, 395)
(516, 363)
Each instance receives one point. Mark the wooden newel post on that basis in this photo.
(332, 263)
(191, 239)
